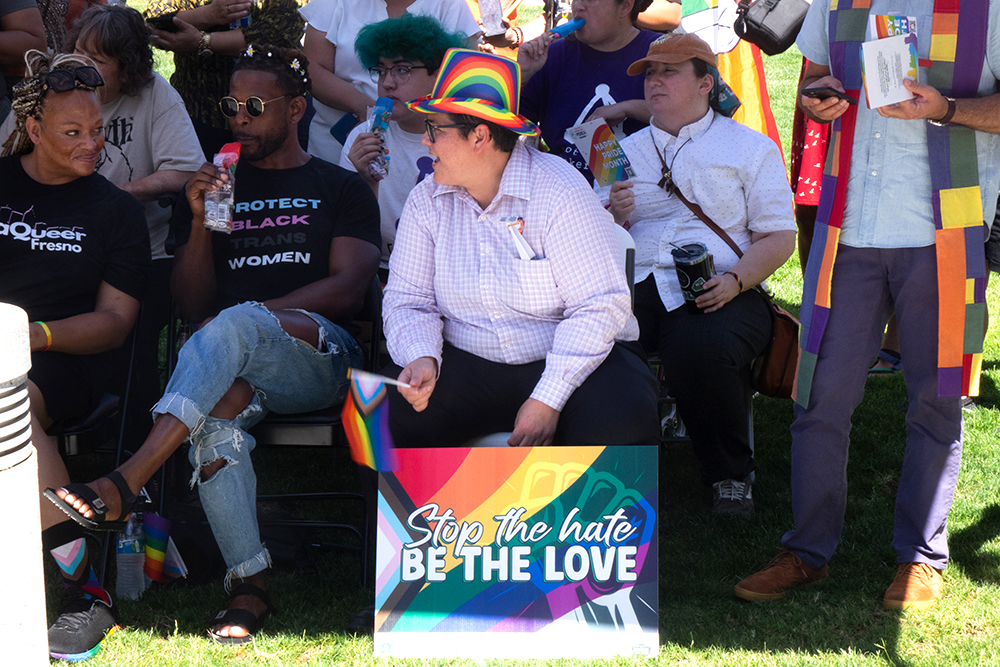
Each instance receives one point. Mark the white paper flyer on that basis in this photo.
(884, 65)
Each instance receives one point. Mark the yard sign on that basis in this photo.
(499, 552)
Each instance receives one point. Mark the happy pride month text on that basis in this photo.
(507, 562)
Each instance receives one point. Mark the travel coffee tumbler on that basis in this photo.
(694, 266)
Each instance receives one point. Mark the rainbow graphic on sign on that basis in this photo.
(499, 552)
(605, 157)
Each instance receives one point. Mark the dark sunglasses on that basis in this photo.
(230, 106)
(64, 80)
(431, 128)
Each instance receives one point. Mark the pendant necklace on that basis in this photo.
(666, 180)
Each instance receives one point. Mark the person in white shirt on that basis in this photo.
(738, 178)
(403, 56)
(507, 307)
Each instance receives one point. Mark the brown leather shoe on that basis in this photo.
(916, 586)
(785, 572)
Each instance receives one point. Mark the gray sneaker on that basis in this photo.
(732, 497)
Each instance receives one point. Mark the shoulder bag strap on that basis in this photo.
(708, 221)
(667, 184)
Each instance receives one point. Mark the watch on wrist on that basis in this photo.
(944, 120)
(205, 44)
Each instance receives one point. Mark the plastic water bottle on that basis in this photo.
(219, 202)
(241, 23)
(131, 555)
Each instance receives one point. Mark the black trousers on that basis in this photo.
(473, 397)
(147, 382)
(71, 384)
(706, 362)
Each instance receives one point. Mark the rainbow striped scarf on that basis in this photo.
(957, 204)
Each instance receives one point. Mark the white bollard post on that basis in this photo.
(22, 588)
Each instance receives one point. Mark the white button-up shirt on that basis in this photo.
(734, 173)
(455, 275)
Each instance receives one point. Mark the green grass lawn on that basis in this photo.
(702, 556)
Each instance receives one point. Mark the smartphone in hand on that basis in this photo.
(824, 92)
(164, 22)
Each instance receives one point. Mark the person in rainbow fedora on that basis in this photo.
(507, 307)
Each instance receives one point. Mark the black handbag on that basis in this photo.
(772, 25)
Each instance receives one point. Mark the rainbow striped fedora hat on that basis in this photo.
(477, 84)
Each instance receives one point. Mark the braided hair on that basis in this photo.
(290, 67)
(29, 94)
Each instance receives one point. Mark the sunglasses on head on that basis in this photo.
(64, 80)
(230, 106)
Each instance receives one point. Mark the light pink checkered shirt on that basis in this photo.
(455, 275)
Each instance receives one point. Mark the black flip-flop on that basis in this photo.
(242, 618)
(97, 506)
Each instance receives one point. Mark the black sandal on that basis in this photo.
(97, 506)
(242, 618)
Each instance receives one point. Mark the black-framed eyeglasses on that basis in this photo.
(400, 73)
(63, 80)
(431, 128)
(230, 106)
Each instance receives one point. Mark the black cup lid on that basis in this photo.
(688, 251)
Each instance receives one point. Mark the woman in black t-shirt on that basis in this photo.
(74, 252)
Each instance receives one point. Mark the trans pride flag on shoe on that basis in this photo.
(366, 421)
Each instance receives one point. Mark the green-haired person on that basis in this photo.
(402, 56)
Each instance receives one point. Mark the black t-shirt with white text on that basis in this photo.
(58, 243)
(284, 221)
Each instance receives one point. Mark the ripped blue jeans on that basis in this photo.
(287, 375)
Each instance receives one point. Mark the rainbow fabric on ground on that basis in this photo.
(366, 421)
(957, 204)
(157, 530)
(163, 562)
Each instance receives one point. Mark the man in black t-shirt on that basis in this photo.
(269, 296)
